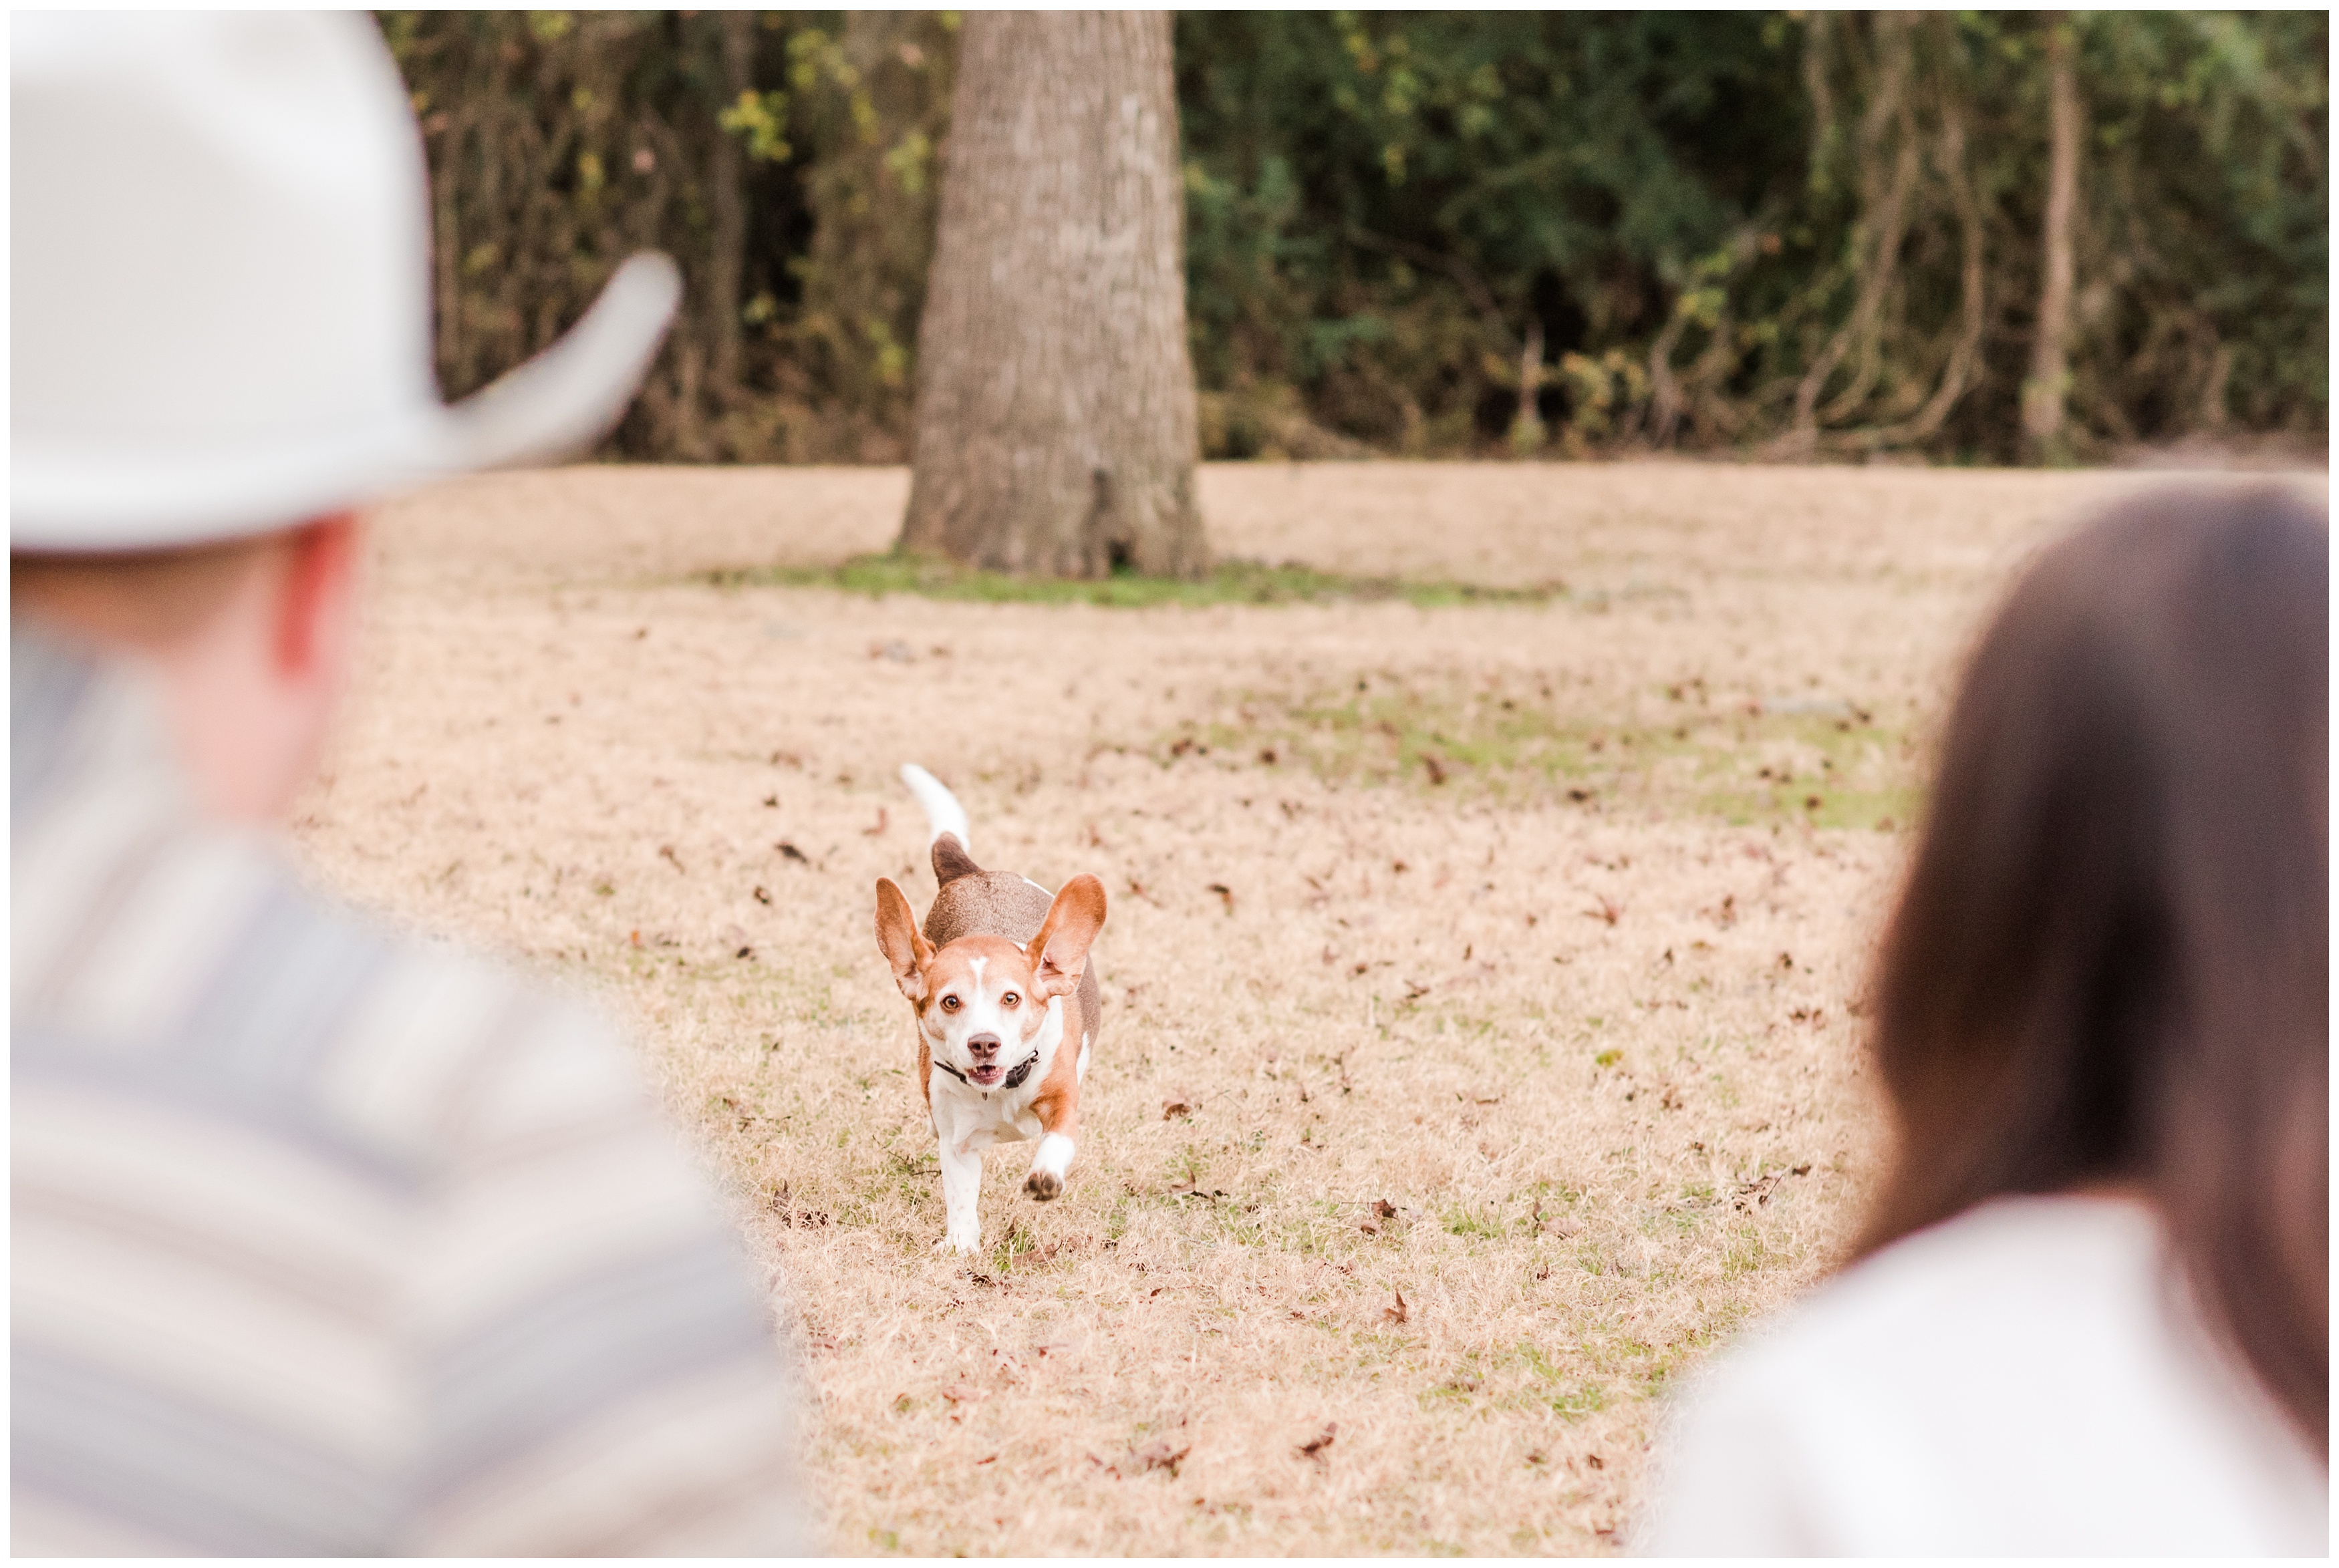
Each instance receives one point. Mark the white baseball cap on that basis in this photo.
(220, 290)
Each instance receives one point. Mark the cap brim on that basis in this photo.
(557, 403)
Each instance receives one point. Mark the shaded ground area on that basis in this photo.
(1481, 979)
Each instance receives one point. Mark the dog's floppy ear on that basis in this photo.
(951, 859)
(1061, 951)
(905, 947)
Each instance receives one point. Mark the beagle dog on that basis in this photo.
(1007, 1012)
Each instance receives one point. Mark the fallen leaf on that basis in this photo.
(1398, 1313)
(1157, 1454)
(1384, 1208)
(763, 895)
(791, 853)
(1225, 892)
(1314, 1447)
(1171, 1108)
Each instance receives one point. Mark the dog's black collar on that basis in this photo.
(1015, 1075)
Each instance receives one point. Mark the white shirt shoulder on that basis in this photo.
(2028, 1377)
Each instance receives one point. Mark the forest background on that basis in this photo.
(1788, 235)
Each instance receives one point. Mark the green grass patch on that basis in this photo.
(1228, 583)
(1519, 1378)
(1518, 739)
(1469, 1221)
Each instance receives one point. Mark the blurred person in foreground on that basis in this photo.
(324, 1241)
(2089, 1313)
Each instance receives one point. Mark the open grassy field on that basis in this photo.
(1482, 980)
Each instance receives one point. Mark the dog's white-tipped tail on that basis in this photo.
(944, 813)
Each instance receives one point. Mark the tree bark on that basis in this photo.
(1884, 213)
(2043, 394)
(1055, 426)
(728, 244)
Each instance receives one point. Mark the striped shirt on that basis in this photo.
(327, 1241)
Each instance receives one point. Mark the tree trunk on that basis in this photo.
(2043, 394)
(1055, 425)
(727, 180)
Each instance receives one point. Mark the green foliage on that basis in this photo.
(784, 158)
(1480, 234)
(761, 118)
(1799, 232)
(1382, 205)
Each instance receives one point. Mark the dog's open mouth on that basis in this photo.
(985, 1076)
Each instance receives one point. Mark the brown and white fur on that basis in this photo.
(999, 980)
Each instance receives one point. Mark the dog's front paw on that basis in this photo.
(964, 1243)
(1043, 1185)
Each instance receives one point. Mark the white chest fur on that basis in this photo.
(968, 1120)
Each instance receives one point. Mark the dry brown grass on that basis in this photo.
(1581, 1014)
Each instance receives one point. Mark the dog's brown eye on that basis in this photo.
(949, 1004)
(1008, 1001)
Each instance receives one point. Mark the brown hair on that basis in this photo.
(2109, 963)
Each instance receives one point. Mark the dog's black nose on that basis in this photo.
(982, 1047)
